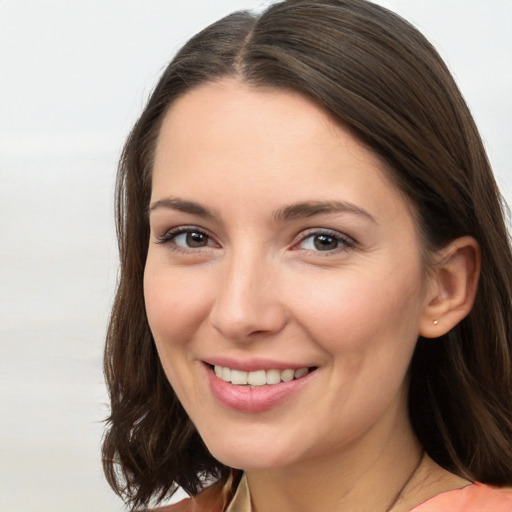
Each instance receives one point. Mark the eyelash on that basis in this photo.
(169, 237)
(343, 242)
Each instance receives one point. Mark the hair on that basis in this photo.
(380, 78)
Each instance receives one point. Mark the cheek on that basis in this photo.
(354, 311)
(173, 311)
(173, 304)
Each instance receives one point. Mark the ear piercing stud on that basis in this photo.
(435, 322)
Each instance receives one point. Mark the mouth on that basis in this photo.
(258, 390)
(258, 378)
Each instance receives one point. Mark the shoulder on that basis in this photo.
(181, 506)
(212, 499)
(472, 498)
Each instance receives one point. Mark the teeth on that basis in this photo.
(287, 375)
(301, 372)
(226, 374)
(259, 377)
(273, 376)
(238, 377)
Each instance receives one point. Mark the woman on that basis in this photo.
(313, 310)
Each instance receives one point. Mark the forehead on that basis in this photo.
(261, 112)
(264, 143)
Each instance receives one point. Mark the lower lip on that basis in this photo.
(256, 399)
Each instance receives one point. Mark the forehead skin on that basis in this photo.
(297, 125)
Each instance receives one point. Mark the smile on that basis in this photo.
(259, 377)
(258, 390)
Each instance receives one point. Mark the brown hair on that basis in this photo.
(380, 77)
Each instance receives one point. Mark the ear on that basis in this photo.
(452, 287)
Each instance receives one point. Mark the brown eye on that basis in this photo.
(325, 242)
(186, 238)
(196, 239)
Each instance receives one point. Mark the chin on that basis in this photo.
(249, 455)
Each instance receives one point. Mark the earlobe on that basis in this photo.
(452, 287)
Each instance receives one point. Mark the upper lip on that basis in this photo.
(254, 364)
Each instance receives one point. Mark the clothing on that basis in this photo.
(472, 498)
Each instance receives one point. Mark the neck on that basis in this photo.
(370, 474)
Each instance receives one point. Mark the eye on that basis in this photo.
(186, 237)
(191, 239)
(324, 241)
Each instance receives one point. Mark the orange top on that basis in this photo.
(472, 498)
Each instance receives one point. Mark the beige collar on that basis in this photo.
(241, 501)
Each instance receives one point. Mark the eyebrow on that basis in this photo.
(181, 205)
(293, 211)
(312, 208)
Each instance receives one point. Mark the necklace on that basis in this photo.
(406, 483)
(242, 498)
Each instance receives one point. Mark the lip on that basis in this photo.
(257, 399)
(255, 364)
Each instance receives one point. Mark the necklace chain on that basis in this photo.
(406, 483)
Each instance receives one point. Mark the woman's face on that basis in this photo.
(279, 250)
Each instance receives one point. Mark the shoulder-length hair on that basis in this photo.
(379, 77)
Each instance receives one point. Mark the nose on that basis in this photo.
(248, 304)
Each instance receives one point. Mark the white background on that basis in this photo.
(73, 78)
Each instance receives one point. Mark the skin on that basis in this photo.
(257, 286)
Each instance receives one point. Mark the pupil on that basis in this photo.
(325, 242)
(195, 239)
